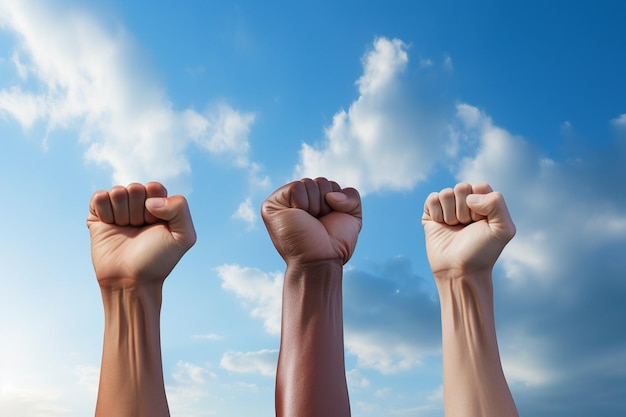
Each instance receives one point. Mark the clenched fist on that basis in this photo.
(138, 234)
(313, 220)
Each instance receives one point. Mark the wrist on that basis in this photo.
(322, 268)
(313, 288)
(473, 277)
(474, 286)
(323, 277)
(132, 300)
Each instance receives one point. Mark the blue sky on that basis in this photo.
(225, 101)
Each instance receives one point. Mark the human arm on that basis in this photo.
(466, 229)
(137, 237)
(314, 225)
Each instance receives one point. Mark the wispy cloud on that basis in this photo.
(189, 372)
(210, 336)
(74, 72)
(619, 121)
(189, 389)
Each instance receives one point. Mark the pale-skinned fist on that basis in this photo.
(466, 229)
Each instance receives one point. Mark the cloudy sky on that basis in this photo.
(226, 101)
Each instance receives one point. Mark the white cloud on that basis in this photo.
(260, 291)
(75, 73)
(425, 62)
(447, 63)
(551, 213)
(356, 380)
(620, 121)
(223, 131)
(246, 213)
(262, 362)
(388, 357)
(191, 391)
(382, 65)
(565, 261)
(383, 392)
(389, 342)
(522, 358)
(186, 372)
(35, 402)
(387, 139)
(88, 377)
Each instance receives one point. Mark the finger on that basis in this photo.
(347, 201)
(153, 189)
(448, 206)
(296, 195)
(324, 187)
(432, 208)
(493, 207)
(100, 208)
(175, 211)
(313, 196)
(463, 213)
(136, 204)
(480, 188)
(282, 198)
(119, 202)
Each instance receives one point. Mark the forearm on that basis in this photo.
(473, 380)
(311, 379)
(131, 377)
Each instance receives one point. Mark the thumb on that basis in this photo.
(175, 211)
(347, 201)
(493, 207)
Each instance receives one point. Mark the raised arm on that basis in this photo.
(314, 225)
(466, 229)
(138, 235)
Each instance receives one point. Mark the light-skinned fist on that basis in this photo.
(138, 234)
(466, 229)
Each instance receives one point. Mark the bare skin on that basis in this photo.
(466, 229)
(138, 235)
(314, 225)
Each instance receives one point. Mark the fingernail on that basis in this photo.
(155, 203)
(474, 198)
(339, 196)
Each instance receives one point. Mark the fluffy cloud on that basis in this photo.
(390, 324)
(560, 301)
(561, 209)
(260, 291)
(388, 138)
(74, 73)
(246, 213)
